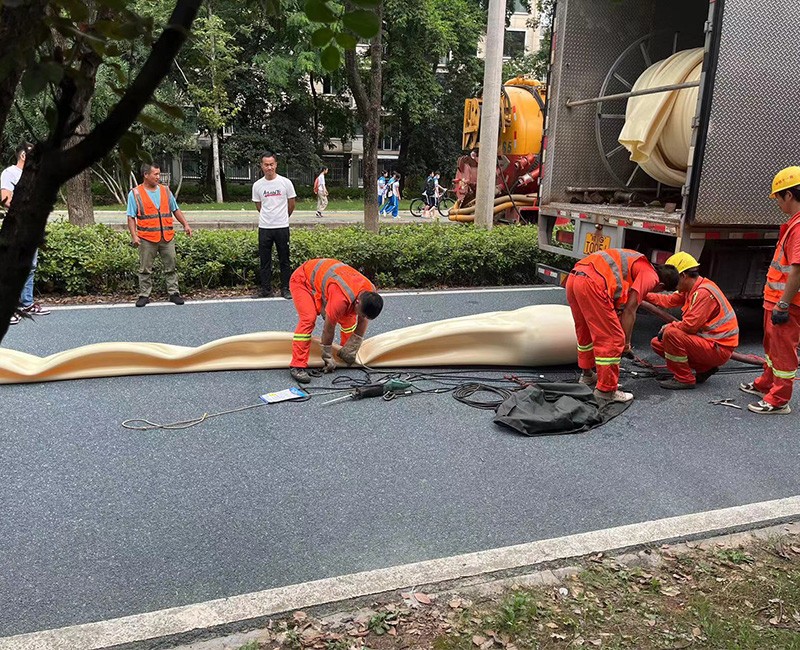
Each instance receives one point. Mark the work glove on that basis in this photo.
(628, 352)
(329, 365)
(350, 350)
(779, 317)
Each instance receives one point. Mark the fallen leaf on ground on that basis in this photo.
(670, 591)
(478, 640)
(299, 616)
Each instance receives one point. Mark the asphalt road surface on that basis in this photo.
(100, 522)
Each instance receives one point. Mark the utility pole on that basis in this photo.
(490, 114)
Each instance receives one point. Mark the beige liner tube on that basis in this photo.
(538, 335)
(658, 127)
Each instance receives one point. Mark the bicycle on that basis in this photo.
(442, 203)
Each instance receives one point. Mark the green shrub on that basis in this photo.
(97, 259)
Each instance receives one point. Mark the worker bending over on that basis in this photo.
(781, 304)
(707, 334)
(604, 291)
(342, 295)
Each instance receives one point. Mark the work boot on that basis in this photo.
(263, 293)
(300, 375)
(674, 384)
(604, 397)
(588, 380)
(765, 407)
(702, 377)
(751, 388)
(141, 301)
(176, 298)
(286, 294)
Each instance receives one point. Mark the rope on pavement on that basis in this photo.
(147, 425)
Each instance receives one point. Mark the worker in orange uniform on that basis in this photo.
(604, 290)
(706, 336)
(342, 295)
(781, 304)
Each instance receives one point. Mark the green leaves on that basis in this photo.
(364, 23)
(341, 28)
(319, 11)
(39, 75)
(331, 59)
(322, 37)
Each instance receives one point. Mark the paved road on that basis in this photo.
(101, 522)
(248, 219)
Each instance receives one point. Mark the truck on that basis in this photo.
(745, 128)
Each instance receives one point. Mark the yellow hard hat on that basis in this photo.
(682, 261)
(784, 179)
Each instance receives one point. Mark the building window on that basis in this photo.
(514, 44)
(521, 7)
(327, 86)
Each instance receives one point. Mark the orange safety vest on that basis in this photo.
(724, 327)
(614, 265)
(320, 273)
(151, 222)
(779, 268)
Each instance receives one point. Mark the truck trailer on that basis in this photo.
(744, 129)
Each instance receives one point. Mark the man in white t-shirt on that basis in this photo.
(8, 183)
(321, 191)
(274, 197)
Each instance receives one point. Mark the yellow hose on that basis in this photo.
(467, 215)
(520, 199)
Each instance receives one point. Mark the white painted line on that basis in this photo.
(236, 609)
(215, 301)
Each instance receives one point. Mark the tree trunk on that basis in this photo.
(49, 165)
(368, 104)
(217, 166)
(180, 175)
(78, 189)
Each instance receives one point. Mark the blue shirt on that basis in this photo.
(155, 196)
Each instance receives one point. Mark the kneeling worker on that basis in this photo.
(342, 295)
(706, 336)
(604, 290)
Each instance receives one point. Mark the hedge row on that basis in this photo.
(99, 260)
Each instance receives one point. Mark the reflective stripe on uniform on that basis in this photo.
(607, 361)
(349, 330)
(302, 337)
(586, 348)
(672, 357)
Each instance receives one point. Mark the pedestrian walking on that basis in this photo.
(8, 183)
(151, 207)
(394, 199)
(781, 304)
(321, 191)
(707, 334)
(429, 194)
(275, 199)
(604, 290)
(345, 297)
(381, 188)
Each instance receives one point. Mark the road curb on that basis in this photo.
(182, 624)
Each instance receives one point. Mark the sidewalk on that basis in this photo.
(248, 219)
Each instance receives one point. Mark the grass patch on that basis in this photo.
(747, 598)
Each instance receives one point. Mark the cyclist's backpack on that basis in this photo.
(430, 184)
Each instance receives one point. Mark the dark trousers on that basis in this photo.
(266, 237)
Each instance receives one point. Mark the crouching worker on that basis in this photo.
(706, 336)
(604, 290)
(342, 295)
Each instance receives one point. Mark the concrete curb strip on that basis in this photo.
(146, 629)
